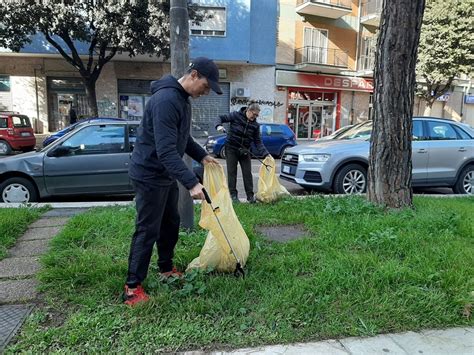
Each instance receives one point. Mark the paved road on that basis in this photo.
(292, 188)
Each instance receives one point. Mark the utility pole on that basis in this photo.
(179, 46)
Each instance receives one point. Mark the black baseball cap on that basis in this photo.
(206, 67)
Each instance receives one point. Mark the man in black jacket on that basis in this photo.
(243, 131)
(156, 165)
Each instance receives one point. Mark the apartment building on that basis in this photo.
(324, 67)
(240, 36)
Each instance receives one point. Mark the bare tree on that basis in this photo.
(389, 180)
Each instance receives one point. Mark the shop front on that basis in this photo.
(314, 101)
(65, 95)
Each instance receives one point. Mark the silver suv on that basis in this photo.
(442, 155)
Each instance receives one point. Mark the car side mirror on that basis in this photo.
(60, 151)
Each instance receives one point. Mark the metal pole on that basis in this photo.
(179, 46)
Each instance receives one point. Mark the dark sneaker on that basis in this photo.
(132, 297)
(173, 273)
(234, 198)
(251, 199)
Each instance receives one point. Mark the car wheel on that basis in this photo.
(222, 152)
(5, 148)
(18, 190)
(351, 179)
(465, 183)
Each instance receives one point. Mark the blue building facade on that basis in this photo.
(240, 36)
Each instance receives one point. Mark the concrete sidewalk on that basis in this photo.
(18, 294)
(454, 341)
(18, 284)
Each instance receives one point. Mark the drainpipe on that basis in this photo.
(358, 38)
(37, 99)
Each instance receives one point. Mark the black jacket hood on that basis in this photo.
(168, 81)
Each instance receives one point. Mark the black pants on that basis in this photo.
(157, 223)
(234, 156)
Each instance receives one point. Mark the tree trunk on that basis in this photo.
(389, 178)
(91, 96)
(179, 46)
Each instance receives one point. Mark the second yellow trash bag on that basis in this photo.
(269, 188)
(216, 252)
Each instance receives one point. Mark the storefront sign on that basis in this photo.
(332, 82)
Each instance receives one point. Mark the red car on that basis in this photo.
(15, 133)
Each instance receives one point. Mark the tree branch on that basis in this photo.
(65, 37)
(70, 60)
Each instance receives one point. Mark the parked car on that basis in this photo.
(442, 155)
(92, 159)
(275, 137)
(16, 133)
(335, 134)
(56, 135)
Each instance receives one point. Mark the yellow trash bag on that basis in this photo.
(216, 252)
(269, 188)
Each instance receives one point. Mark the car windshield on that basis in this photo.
(21, 122)
(360, 132)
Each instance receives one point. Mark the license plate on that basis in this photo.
(286, 169)
(25, 134)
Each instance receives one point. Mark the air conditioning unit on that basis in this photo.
(242, 92)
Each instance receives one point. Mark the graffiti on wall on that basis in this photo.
(243, 102)
(106, 108)
(267, 107)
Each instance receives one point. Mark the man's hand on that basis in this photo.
(209, 160)
(196, 192)
(221, 129)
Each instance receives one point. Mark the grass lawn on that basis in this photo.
(13, 223)
(359, 272)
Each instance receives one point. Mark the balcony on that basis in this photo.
(370, 12)
(366, 64)
(314, 58)
(325, 8)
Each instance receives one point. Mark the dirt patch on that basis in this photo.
(283, 234)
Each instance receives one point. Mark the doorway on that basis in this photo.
(311, 120)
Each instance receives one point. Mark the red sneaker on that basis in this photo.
(131, 297)
(173, 273)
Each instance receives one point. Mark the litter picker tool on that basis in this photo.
(238, 269)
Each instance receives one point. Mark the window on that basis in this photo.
(4, 83)
(417, 131)
(3, 122)
(214, 23)
(275, 130)
(462, 133)
(441, 131)
(103, 139)
(21, 122)
(315, 45)
(132, 136)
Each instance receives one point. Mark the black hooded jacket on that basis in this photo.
(164, 136)
(242, 132)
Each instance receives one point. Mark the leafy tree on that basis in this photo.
(445, 51)
(106, 26)
(389, 179)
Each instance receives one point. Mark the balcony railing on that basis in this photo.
(324, 8)
(370, 12)
(340, 3)
(321, 56)
(366, 63)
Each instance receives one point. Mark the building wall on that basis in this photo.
(261, 84)
(285, 51)
(343, 39)
(250, 33)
